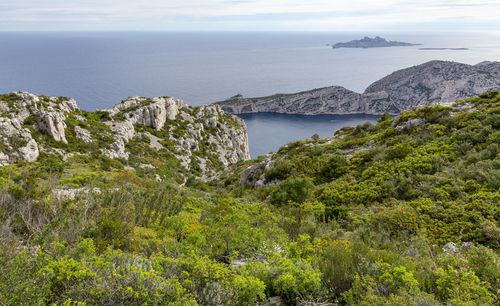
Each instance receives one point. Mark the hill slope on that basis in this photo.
(403, 212)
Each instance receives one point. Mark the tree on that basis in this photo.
(297, 190)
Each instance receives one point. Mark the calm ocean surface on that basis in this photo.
(267, 131)
(99, 69)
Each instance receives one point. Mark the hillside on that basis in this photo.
(403, 212)
(426, 84)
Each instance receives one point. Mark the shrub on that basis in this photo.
(461, 286)
(296, 190)
(335, 167)
(489, 95)
(292, 280)
(399, 151)
(280, 171)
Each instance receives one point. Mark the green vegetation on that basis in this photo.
(359, 219)
(10, 99)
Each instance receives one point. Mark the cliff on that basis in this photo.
(426, 84)
(138, 132)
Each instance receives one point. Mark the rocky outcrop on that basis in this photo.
(46, 115)
(255, 174)
(16, 143)
(53, 124)
(203, 139)
(190, 131)
(149, 112)
(83, 134)
(376, 42)
(434, 82)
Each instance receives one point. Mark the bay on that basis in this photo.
(267, 132)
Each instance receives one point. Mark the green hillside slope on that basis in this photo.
(404, 212)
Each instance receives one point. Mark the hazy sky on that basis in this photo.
(323, 15)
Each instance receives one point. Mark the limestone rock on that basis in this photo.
(205, 137)
(53, 124)
(149, 112)
(255, 175)
(29, 152)
(49, 113)
(274, 301)
(450, 247)
(72, 193)
(410, 123)
(83, 134)
(466, 245)
(18, 143)
(116, 150)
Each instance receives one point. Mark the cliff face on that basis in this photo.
(435, 82)
(430, 83)
(201, 139)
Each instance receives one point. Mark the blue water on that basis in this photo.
(99, 69)
(267, 132)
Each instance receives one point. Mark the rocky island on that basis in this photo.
(430, 83)
(442, 49)
(376, 42)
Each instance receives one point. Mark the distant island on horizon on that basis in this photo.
(376, 42)
(439, 49)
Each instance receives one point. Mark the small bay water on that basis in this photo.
(267, 132)
(99, 69)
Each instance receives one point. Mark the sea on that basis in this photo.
(99, 69)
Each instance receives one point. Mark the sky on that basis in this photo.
(250, 15)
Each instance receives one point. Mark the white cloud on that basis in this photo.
(244, 14)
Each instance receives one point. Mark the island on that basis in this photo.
(440, 49)
(368, 42)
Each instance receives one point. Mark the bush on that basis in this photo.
(279, 172)
(461, 286)
(296, 190)
(399, 151)
(292, 280)
(334, 168)
(489, 95)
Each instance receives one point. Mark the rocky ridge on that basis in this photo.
(201, 139)
(434, 82)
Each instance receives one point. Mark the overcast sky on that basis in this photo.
(321, 15)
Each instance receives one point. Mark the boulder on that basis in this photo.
(52, 124)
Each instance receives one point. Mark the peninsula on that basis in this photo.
(376, 42)
(430, 83)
